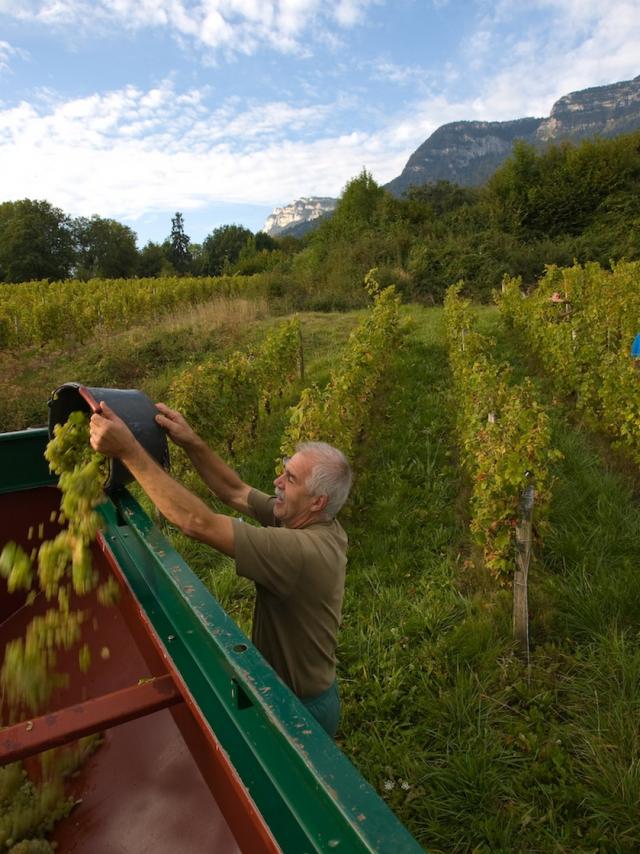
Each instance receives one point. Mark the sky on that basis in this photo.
(226, 109)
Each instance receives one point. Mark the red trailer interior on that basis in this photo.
(159, 782)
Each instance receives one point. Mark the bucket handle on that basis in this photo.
(86, 395)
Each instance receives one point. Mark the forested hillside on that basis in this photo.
(572, 202)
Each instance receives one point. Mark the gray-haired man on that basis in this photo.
(297, 559)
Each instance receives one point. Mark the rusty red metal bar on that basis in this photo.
(57, 728)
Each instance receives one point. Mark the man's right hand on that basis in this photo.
(109, 434)
(175, 425)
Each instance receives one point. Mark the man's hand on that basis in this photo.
(109, 434)
(176, 426)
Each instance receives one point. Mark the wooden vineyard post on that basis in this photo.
(520, 578)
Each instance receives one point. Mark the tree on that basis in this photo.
(199, 260)
(443, 197)
(358, 207)
(223, 247)
(509, 188)
(179, 252)
(36, 241)
(106, 249)
(265, 241)
(152, 260)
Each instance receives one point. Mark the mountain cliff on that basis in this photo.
(299, 216)
(601, 111)
(468, 153)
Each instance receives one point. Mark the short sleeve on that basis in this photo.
(272, 557)
(261, 508)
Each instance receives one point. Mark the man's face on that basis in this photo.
(294, 507)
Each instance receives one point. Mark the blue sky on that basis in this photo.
(226, 109)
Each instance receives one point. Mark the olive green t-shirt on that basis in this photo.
(299, 577)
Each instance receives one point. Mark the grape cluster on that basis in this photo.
(82, 474)
(28, 811)
(28, 675)
(15, 566)
(28, 672)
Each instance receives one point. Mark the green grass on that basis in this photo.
(473, 752)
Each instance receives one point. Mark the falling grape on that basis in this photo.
(28, 675)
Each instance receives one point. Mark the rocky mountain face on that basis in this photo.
(468, 153)
(602, 111)
(299, 216)
(465, 153)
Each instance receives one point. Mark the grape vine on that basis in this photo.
(224, 401)
(36, 313)
(338, 413)
(504, 437)
(581, 322)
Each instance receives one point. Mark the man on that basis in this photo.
(297, 559)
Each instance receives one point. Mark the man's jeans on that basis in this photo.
(325, 708)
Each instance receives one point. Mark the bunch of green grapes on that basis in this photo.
(15, 566)
(28, 811)
(28, 672)
(70, 444)
(28, 676)
(82, 474)
(55, 556)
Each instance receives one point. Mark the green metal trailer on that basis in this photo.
(205, 748)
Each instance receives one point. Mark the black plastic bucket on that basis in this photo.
(133, 406)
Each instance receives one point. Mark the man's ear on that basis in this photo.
(319, 502)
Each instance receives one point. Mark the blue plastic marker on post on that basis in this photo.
(635, 347)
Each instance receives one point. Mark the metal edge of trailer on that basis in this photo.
(309, 794)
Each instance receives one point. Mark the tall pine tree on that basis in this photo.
(179, 252)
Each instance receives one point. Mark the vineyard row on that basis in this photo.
(37, 313)
(581, 323)
(504, 438)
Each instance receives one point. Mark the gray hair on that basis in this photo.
(331, 474)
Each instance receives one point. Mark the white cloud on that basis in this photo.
(128, 152)
(234, 26)
(350, 12)
(522, 65)
(415, 75)
(8, 52)
(5, 53)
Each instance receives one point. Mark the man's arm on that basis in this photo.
(111, 436)
(221, 479)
